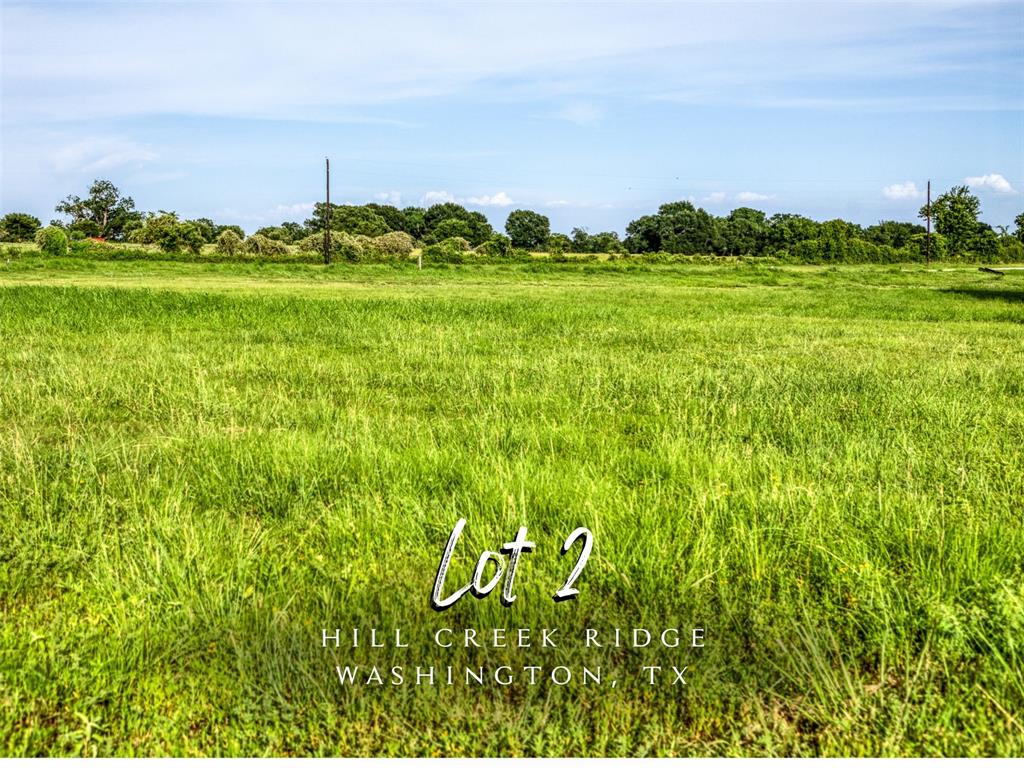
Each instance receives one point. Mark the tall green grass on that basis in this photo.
(201, 466)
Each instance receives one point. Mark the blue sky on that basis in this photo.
(593, 113)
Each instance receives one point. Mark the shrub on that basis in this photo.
(229, 243)
(52, 241)
(261, 245)
(915, 248)
(496, 246)
(451, 250)
(396, 245)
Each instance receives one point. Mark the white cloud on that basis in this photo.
(294, 209)
(753, 197)
(498, 199)
(438, 196)
(557, 203)
(715, 197)
(991, 182)
(392, 197)
(102, 153)
(580, 113)
(905, 191)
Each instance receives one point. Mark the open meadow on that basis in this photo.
(202, 466)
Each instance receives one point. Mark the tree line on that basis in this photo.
(448, 229)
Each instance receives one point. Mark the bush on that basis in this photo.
(915, 249)
(229, 243)
(397, 245)
(261, 245)
(52, 241)
(451, 250)
(496, 246)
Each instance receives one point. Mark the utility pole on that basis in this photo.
(928, 237)
(327, 228)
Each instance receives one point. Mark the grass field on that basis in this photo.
(202, 466)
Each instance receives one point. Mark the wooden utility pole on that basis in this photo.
(327, 227)
(928, 217)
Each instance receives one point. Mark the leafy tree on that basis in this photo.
(785, 230)
(643, 235)
(742, 232)
(678, 227)
(415, 221)
(353, 219)
(294, 231)
(451, 228)
(955, 214)
(1019, 222)
(893, 233)
(104, 213)
(558, 243)
(275, 233)
(19, 227)
(479, 228)
(393, 217)
(527, 229)
(219, 229)
(52, 241)
(207, 228)
(171, 234)
(497, 246)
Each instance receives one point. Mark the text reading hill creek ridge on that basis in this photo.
(520, 637)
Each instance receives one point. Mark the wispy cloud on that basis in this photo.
(437, 196)
(392, 197)
(905, 191)
(580, 113)
(497, 200)
(753, 197)
(991, 182)
(101, 154)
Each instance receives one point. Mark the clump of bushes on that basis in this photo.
(229, 243)
(52, 241)
(261, 245)
(169, 233)
(496, 246)
(396, 245)
(451, 250)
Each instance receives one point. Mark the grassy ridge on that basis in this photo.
(202, 465)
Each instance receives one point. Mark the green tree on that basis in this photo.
(352, 219)
(893, 233)
(955, 214)
(678, 227)
(19, 227)
(393, 217)
(219, 229)
(1019, 223)
(742, 232)
(104, 213)
(207, 228)
(785, 230)
(527, 229)
(451, 228)
(171, 234)
(415, 221)
(480, 229)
